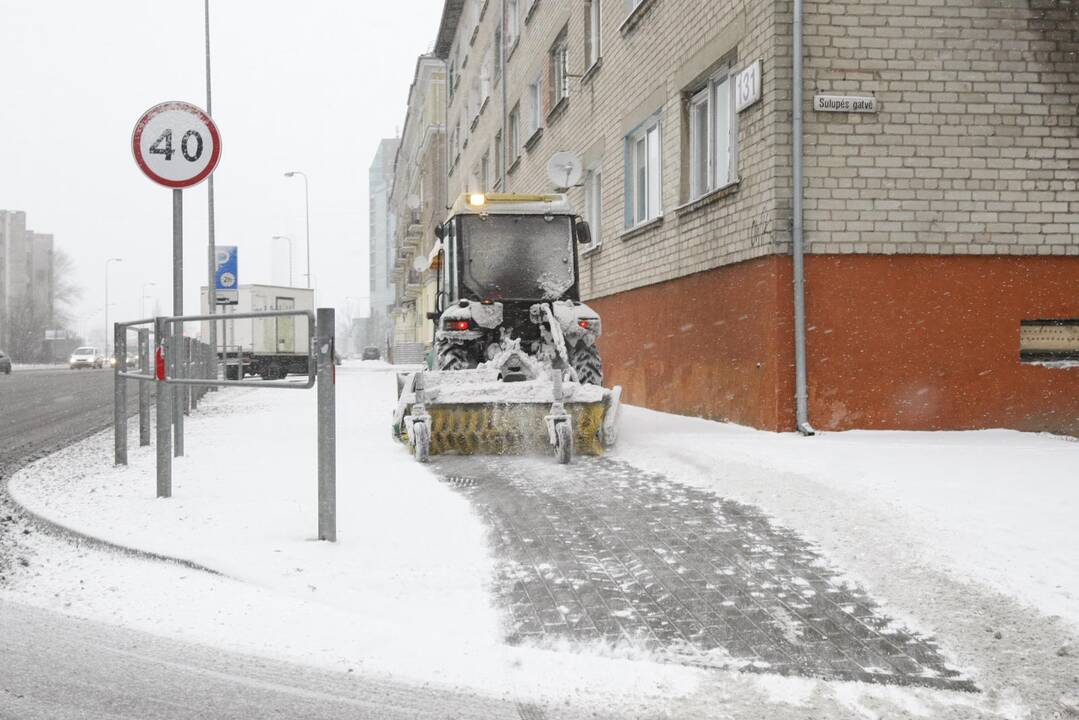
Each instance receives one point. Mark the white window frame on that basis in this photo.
(515, 133)
(644, 162)
(513, 23)
(719, 149)
(559, 71)
(594, 37)
(486, 74)
(535, 105)
(593, 204)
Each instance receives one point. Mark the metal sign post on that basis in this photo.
(327, 426)
(164, 411)
(177, 145)
(119, 416)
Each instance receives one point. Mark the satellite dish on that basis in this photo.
(413, 202)
(565, 169)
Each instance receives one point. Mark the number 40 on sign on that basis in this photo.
(176, 144)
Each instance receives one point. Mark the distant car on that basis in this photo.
(371, 353)
(86, 357)
(5, 363)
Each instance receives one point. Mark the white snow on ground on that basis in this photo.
(997, 507)
(403, 592)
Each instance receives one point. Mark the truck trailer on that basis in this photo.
(270, 348)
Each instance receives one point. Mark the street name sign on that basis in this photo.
(226, 275)
(176, 144)
(747, 86)
(844, 103)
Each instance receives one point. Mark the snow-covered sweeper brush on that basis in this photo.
(518, 369)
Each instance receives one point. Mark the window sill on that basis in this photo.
(475, 34)
(558, 110)
(514, 165)
(483, 11)
(535, 138)
(475, 122)
(483, 105)
(591, 72)
(592, 249)
(642, 229)
(512, 49)
(708, 198)
(635, 17)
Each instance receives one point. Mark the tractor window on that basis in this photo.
(520, 257)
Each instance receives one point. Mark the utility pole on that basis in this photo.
(211, 291)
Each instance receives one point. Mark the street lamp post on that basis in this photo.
(142, 298)
(110, 260)
(307, 218)
(289, 238)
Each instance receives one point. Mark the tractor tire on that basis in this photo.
(584, 358)
(454, 357)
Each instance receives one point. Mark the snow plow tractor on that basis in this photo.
(517, 369)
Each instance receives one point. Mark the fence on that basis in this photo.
(184, 369)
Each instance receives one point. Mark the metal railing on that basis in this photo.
(182, 370)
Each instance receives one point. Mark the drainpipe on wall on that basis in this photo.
(505, 105)
(798, 249)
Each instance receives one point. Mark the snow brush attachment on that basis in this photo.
(473, 412)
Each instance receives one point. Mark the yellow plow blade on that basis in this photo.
(508, 429)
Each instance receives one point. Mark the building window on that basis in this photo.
(644, 173)
(515, 132)
(498, 53)
(513, 22)
(485, 171)
(559, 59)
(593, 203)
(712, 136)
(535, 105)
(486, 74)
(452, 79)
(592, 45)
(500, 165)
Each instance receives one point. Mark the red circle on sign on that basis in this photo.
(136, 140)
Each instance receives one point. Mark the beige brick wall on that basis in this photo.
(975, 148)
(648, 63)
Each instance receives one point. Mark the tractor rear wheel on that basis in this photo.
(584, 358)
(454, 357)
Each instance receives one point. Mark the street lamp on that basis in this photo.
(289, 238)
(110, 260)
(142, 298)
(307, 218)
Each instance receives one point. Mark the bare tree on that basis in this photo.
(30, 317)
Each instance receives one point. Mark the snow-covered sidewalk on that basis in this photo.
(405, 591)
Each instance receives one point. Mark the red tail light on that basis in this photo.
(458, 325)
(159, 363)
(584, 323)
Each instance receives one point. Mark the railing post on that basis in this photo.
(164, 410)
(327, 421)
(144, 387)
(119, 394)
(191, 351)
(176, 368)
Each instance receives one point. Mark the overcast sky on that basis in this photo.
(307, 86)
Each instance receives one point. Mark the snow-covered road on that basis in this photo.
(916, 519)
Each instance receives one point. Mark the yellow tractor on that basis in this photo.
(517, 368)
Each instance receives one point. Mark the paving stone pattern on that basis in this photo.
(602, 553)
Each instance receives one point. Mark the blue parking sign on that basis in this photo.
(226, 275)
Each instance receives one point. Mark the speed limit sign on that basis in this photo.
(176, 144)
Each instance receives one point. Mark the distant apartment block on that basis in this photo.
(26, 276)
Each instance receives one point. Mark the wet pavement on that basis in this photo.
(600, 553)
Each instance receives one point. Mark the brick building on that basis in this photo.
(417, 201)
(380, 233)
(935, 225)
